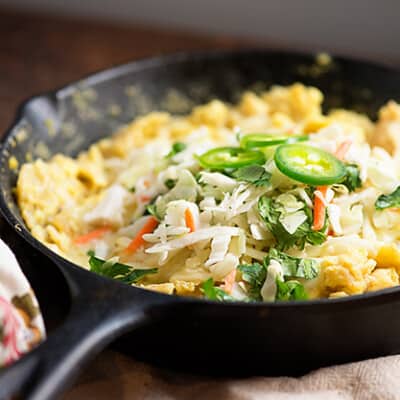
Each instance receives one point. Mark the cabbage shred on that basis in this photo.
(238, 224)
(250, 213)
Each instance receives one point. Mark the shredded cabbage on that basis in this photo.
(145, 197)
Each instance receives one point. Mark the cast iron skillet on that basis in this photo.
(272, 338)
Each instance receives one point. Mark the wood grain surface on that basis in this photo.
(39, 53)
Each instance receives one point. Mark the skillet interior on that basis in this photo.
(84, 112)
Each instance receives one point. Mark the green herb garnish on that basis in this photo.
(306, 268)
(151, 209)
(176, 148)
(270, 212)
(352, 178)
(170, 183)
(115, 270)
(255, 174)
(212, 292)
(254, 275)
(388, 200)
(290, 290)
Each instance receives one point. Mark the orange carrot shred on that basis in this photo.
(229, 280)
(319, 209)
(144, 198)
(189, 220)
(95, 234)
(138, 240)
(342, 149)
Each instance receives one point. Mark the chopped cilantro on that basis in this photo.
(198, 179)
(121, 272)
(176, 148)
(254, 275)
(290, 290)
(170, 183)
(270, 212)
(212, 292)
(255, 174)
(306, 268)
(388, 200)
(352, 178)
(152, 210)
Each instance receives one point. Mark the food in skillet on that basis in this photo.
(262, 201)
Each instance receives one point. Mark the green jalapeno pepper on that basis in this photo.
(309, 165)
(254, 140)
(222, 158)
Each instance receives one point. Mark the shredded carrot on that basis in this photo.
(138, 240)
(144, 198)
(229, 280)
(97, 233)
(319, 209)
(189, 220)
(342, 149)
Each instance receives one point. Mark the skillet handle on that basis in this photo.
(98, 316)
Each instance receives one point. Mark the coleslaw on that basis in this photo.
(266, 200)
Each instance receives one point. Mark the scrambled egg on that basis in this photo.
(56, 196)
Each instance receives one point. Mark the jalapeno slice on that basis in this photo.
(254, 140)
(308, 164)
(230, 157)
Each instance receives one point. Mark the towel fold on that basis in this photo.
(118, 377)
(21, 322)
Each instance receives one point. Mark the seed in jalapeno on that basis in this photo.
(230, 157)
(309, 165)
(263, 140)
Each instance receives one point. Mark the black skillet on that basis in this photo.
(240, 339)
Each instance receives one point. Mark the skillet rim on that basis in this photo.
(149, 62)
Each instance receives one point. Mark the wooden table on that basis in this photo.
(39, 53)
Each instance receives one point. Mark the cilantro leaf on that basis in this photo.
(212, 292)
(176, 148)
(352, 178)
(255, 174)
(170, 183)
(152, 210)
(306, 268)
(388, 200)
(136, 275)
(270, 212)
(120, 272)
(290, 290)
(254, 275)
(105, 268)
